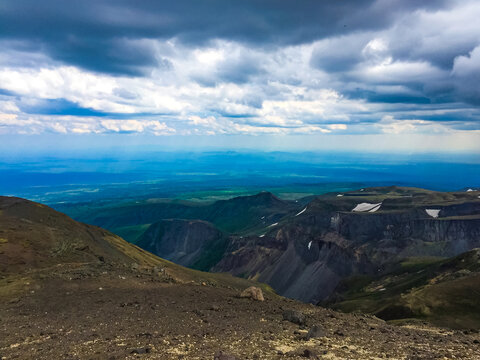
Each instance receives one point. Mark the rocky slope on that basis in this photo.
(193, 243)
(99, 297)
(34, 236)
(305, 253)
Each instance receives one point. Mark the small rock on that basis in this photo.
(146, 334)
(157, 269)
(144, 350)
(215, 308)
(315, 332)
(199, 312)
(253, 292)
(308, 353)
(222, 356)
(294, 316)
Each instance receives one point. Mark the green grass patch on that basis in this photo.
(130, 233)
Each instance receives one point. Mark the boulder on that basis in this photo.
(316, 331)
(253, 292)
(294, 316)
(144, 350)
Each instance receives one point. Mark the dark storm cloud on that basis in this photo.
(389, 98)
(239, 66)
(100, 35)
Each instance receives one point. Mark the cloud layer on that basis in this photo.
(240, 67)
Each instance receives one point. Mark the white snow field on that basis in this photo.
(433, 212)
(301, 212)
(364, 207)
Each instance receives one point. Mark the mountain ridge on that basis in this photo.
(328, 239)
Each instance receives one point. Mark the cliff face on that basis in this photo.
(185, 242)
(306, 257)
(392, 236)
(297, 262)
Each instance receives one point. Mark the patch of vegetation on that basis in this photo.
(418, 262)
(130, 233)
(212, 255)
(443, 291)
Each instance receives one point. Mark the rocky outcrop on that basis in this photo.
(297, 264)
(391, 236)
(253, 293)
(185, 242)
(306, 257)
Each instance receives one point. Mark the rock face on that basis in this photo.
(306, 257)
(185, 242)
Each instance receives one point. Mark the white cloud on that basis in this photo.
(227, 87)
(6, 119)
(390, 125)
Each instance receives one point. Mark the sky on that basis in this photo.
(361, 75)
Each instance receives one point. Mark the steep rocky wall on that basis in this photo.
(180, 241)
(306, 259)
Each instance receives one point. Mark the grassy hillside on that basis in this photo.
(240, 215)
(443, 291)
(37, 241)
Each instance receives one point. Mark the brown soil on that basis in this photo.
(98, 312)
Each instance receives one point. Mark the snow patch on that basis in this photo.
(363, 207)
(470, 190)
(301, 212)
(433, 212)
(339, 195)
(309, 245)
(262, 235)
(263, 217)
(273, 224)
